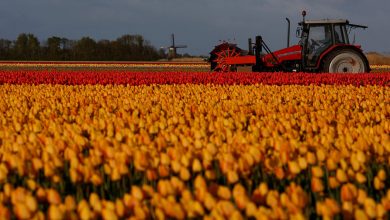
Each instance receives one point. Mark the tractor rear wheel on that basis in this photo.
(345, 61)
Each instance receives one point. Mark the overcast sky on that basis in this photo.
(200, 24)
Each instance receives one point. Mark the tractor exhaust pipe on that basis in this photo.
(288, 32)
(250, 50)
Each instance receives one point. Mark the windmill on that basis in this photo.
(172, 50)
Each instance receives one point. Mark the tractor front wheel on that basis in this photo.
(345, 61)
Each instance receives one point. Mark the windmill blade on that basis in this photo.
(181, 46)
(166, 47)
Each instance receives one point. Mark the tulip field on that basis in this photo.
(99, 66)
(119, 144)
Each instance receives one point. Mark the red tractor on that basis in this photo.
(324, 46)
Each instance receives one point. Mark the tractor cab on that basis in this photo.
(317, 36)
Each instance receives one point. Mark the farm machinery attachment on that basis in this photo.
(324, 46)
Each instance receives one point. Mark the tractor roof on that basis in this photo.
(332, 21)
(327, 21)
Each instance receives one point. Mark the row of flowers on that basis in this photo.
(115, 64)
(48, 64)
(142, 78)
(380, 66)
(194, 151)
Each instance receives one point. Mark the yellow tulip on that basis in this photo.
(341, 176)
(41, 194)
(209, 202)
(380, 211)
(70, 203)
(21, 211)
(381, 175)
(360, 178)
(4, 212)
(370, 208)
(185, 175)
(321, 155)
(293, 167)
(108, 214)
(333, 206)
(311, 158)
(196, 166)
(224, 192)
(362, 196)
(302, 163)
(333, 182)
(232, 177)
(226, 208)
(360, 214)
(250, 209)
(54, 213)
(272, 199)
(317, 171)
(378, 184)
(31, 203)
(331, 164)
(53, 197)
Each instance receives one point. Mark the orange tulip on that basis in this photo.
(53, 197)
(316, 185)
(348, 192)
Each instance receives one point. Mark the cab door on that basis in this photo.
(340, 34)
(319, 39)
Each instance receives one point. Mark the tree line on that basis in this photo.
(125, 48)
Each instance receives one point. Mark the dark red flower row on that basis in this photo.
(147, 78)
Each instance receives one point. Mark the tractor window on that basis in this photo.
(338, 35)
(319, 39)
(346, 37)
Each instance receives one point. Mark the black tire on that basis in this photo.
(345, 61)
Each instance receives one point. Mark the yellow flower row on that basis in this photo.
(380, 66)
(201, 151)
(103, 64)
